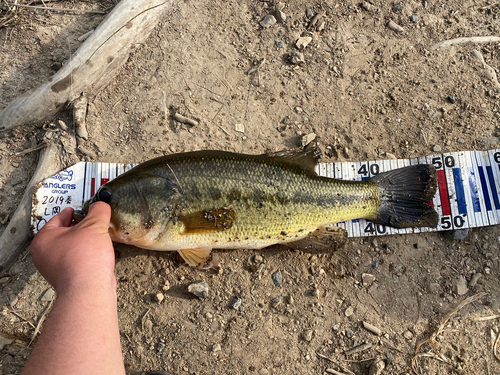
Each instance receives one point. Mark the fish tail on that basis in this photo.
(405, 196)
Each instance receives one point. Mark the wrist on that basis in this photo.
(102, 285)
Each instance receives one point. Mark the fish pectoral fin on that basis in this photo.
(206, 221)
(195, 257)
(324, 238)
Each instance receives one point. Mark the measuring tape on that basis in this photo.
(467, 195)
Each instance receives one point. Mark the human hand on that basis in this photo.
(78, 256)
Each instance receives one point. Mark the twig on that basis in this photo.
(20, 317)
(488, 70)
(359, 348)
(224, 130)
(334, 372)
(28, 150)
(495, 345)
(57, 9)
(472, 39)
(483, 318)
(335, 362)
(185, 120)
(40, 321)
(257, 66)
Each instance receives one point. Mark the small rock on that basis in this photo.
(436, 148)
(160, 348)
(474, 279)
(397, 7)
(369, 7)
(315, 292)
(291, 301)
(309, 13)
(280, 16)
(277, 301)
(48, 295)
(408, 335)
(12, 299)
(462, 286)
(148, 326)
(377, 366)
(414, 18)
(15, 165)
(239, 127)
(460, 140)
(216, 348)
(268, 20)
(236, 303)
(199, 289)
(4, 341)
(257, 258)
(302, 42)
(457, 234)
(85, 151)
(451, 99)
(349, 311)
(395, 27)
(349, 333)
(159, 297)
(306, 139)
(278, 43)
(62, 125)
(307, 335)
(296, 58)
(277, 278)
(388, 155)
(487, 270)
(367, 279)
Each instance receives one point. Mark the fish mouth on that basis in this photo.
(79, 215)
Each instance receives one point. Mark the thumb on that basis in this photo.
(99, 213)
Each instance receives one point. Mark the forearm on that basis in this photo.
(81, 335)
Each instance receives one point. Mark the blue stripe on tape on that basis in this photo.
(493, 187)
(473, 191)
(485, 188)
(459, 189)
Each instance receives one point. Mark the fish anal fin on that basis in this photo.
(206, 221)
(197, 256)
(324, 238)
(306, 158)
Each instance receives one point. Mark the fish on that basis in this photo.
(198, 201)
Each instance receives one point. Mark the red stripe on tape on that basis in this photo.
(443, 192)
(104, 180)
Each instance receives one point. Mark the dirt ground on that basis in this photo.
(365, 90)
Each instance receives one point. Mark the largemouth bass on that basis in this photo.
(198, 201)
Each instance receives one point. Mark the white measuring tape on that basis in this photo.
(467, 195)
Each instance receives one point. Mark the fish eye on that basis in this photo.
(104, 195)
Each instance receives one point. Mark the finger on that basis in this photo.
(99, 212)
(62, 219)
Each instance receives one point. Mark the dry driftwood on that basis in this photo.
(472, 39)
(92, 66)
(17, 234)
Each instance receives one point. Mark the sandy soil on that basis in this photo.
(366, 91)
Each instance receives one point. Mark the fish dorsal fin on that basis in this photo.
(325, 238)
(196, 257)
(306, 158)
(206, 221)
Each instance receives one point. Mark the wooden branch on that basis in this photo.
(16, 235)
(92, 66)
(472, 39)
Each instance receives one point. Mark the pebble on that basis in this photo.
(159, 297)
(239, 127)
(236, 303)
(460, 140)
(85, 151)
(398, 8)
(414, 18)
(395, 27)
(307, 335)
(451, 99)
(487, 270)
(462, 286)
(474, 279)
(268, 20)
(296, 58)
(199, 289)
(257, 258)
(457, 234)
(349, 311)
(436, 148)
(303, 41)
(48, 295)
(388, 155)
(15, 165)
(367, 278)
(216, 348)
(280, 16)
(369, 7)
(12, 299)
(309, 13)
(160, 348)
(278, 43)
(306, 139)
(277, 301)
(408, 335)
(377, 366)
(277, 278)
(62, 125)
